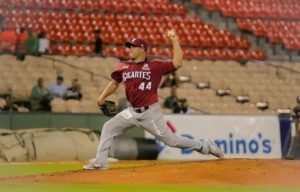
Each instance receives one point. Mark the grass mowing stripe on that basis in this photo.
(12, 187)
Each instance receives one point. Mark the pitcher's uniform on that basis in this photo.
(141, 84)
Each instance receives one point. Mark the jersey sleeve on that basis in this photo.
(167, 67)
(117, 74)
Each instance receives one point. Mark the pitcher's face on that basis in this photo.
(135, 52)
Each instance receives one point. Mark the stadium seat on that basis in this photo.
(70, 25)
(58, 105)
(276, 20)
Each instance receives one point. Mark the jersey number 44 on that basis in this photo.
(145, 85)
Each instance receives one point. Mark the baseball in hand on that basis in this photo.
(171, 33)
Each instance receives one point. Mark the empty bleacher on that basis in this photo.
(71, 28)
(285, 32)
(262, 83)
(277, 20)
(275, 9)
(130, 6)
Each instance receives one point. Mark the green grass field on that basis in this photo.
(125, 188)
(8, 170)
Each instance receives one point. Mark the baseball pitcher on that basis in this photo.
(142, 78)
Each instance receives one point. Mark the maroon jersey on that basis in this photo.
(142, 80)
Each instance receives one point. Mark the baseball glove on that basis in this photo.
(109, 108)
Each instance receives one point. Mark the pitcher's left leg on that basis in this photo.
(112, 128)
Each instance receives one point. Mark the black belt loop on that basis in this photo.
(142, 109)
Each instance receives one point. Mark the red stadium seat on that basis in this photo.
(234, 55)
(244, 54)
(65, 25)
(284, 13)
(258, 55)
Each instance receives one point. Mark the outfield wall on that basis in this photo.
(240, 136)
(94, 121)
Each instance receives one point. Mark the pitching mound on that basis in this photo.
(220, 172)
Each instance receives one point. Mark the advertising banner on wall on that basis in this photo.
(238, 136)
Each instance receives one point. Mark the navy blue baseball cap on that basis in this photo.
(136, 42)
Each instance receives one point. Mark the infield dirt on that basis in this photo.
(233, 172)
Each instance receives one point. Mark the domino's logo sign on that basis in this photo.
(233, 145)
(238, 137)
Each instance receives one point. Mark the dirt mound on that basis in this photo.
(221, 172)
